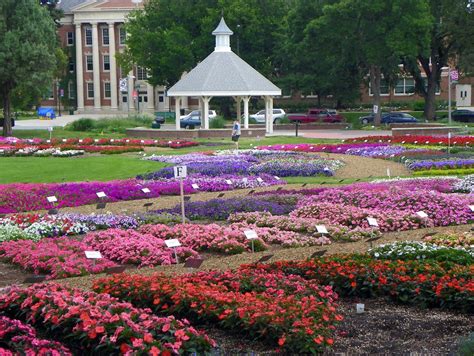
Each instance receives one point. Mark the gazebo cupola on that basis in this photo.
(223, 73)
(222, 33)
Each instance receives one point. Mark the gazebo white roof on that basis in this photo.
(223, 73)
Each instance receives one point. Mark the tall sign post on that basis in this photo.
(453, 77)
(180, 172)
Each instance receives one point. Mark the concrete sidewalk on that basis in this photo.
(333, 134)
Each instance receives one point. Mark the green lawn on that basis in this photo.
(57, 169)
(61, 133)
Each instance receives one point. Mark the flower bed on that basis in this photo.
(91, 323)
(131, 247)
(416, 250)
(419, 165)
(220, 209)
(27, 197)
(21, 339)
(421, 283)
(452, 239)
(466, 185)
(287, 312)
(297, 167)
(58, 257)
(421, 140)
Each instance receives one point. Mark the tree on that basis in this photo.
(169, 37)
(27, 52)
(450, 41)
(372, 35)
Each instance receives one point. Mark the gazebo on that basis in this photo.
(223, 73)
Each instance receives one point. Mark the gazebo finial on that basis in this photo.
(222, 33)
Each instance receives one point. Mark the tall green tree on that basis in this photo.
(170, 37)
(27, 52)
(372, 35)
(450, 43)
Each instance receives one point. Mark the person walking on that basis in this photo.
(236, 132)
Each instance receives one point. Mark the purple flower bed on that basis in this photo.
(220, 209)
(377, 151)
(104, 221)
(445, 164)
(292, 168)
(331, 148)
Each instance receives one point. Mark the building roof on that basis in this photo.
(223, 73)
(67, 5)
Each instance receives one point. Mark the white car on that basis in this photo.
(212, 114)
(260, 116)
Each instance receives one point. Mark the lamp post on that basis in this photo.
(238, 39)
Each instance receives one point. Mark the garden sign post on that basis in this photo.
(180, 172)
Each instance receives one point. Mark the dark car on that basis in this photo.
(190, 122)
(390, 118)
(317, 115)
(463, 115)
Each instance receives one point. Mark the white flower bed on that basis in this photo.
(465, 185)
(412, 249)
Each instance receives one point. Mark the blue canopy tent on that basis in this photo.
(46, 113)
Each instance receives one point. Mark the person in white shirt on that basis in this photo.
(236, 132)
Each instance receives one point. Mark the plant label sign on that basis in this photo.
(250, 234)
(245, 180)
(172, 243)
(52, 199)
(146, 190)
(228, 181)
(422, 214)
(180, 171)
(81, 141)
(372, 222)
(471, 207)
(260, 180)
(93, 255)
(101, 194)
(276, 177)
(322, 229)
(50, 129)
(64, 140)
(195, 186)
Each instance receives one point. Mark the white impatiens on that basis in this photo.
(413, 250)
(466, 185)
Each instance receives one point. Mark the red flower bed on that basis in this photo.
(422, 283)
(90, 323)
(286, 311)
(417, 140)
(21, 339)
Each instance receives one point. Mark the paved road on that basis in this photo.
(61, 121)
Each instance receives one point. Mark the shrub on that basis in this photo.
(81, 125)
(217, 123)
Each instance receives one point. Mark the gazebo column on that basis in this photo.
(177, 102)
(238, 105)
(270, 109)
(205, 100)
(246, 100)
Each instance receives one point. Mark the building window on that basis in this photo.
(437, 90)
(89, 63)
(384, 88)
(123, 36)
(107, 90)
(71, 90)
(405, 86)
(88, 36)
(106, 62)
(71, 65)
(105, 36)
(161, 96)
(141, 73)
(90, 90)
(70, 38)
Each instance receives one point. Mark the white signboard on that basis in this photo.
(50, 129)
(180, 171)
(81, 140)
(123, 85)
(52, 199)
(422, 214)
(372, 222)
(276, 177)
(101, 194)
(260, 180)
(145, 190)
(195, 186)
(64, 140)
(96, 140)
(48, 141)
(93, 255)
(245, 180)
(250, 234)
(172, 243)
(376, 109)
(471, 207)
(228, 181)
(322, 229)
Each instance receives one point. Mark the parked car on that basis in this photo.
(259, 117)
(212, 114)
(188, 122)
(463, 115)
(317, 115)
(390, 118)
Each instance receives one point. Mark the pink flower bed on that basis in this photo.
(21, 339)
(442, 209)
(91, 323)
(57, 257)
(331, 148)
(131, 247)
